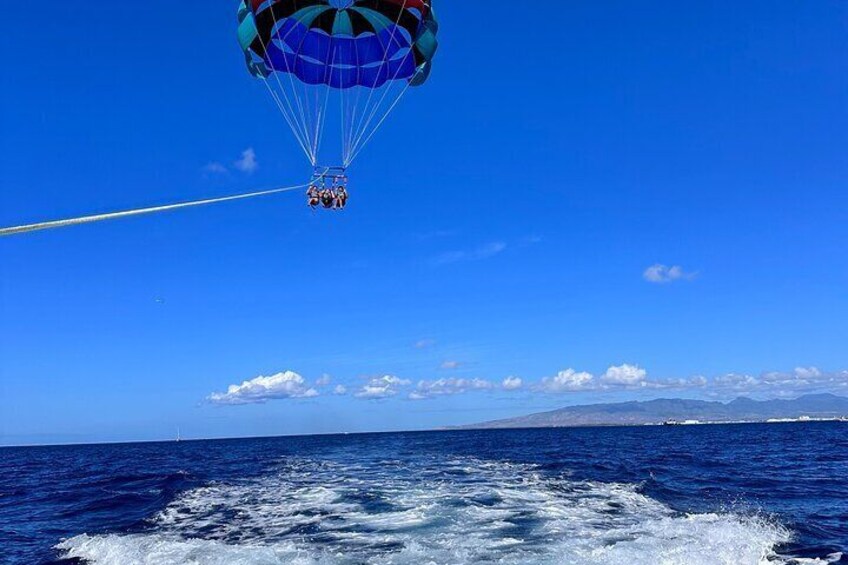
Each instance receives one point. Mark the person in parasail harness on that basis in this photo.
(341, 197)
(313, 196)
(328, 198)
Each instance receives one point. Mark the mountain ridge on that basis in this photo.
(664, 410)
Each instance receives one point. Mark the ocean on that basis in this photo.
(688, 495)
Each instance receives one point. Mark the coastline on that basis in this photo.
(469, 428)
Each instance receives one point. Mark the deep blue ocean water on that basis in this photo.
(729, 494)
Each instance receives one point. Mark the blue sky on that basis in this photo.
(510, 220)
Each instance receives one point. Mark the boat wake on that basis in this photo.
(436, 511)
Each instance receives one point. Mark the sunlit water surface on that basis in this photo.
(729, 495)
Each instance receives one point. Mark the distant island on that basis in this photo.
(676, 411)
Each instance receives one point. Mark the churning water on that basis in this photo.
(708, 495)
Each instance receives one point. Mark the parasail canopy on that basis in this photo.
(354, 59)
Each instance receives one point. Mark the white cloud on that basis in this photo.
(807, 373)
(663, 274)
(478, 254)
(620, 377)
(568, 380)
(424, 343)
(698, 381)
(339, 390)
(446, 387)
(261, 389)
(489, 250)
(215, 168)
(512, 383)
(625, 375)
(381, 387)
(450, 365)
(324, 380)
(799, 380)
(735, 381)
(247, 163)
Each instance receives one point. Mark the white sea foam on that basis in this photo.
(443, 512)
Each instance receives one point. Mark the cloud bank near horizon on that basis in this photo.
(617, 378)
